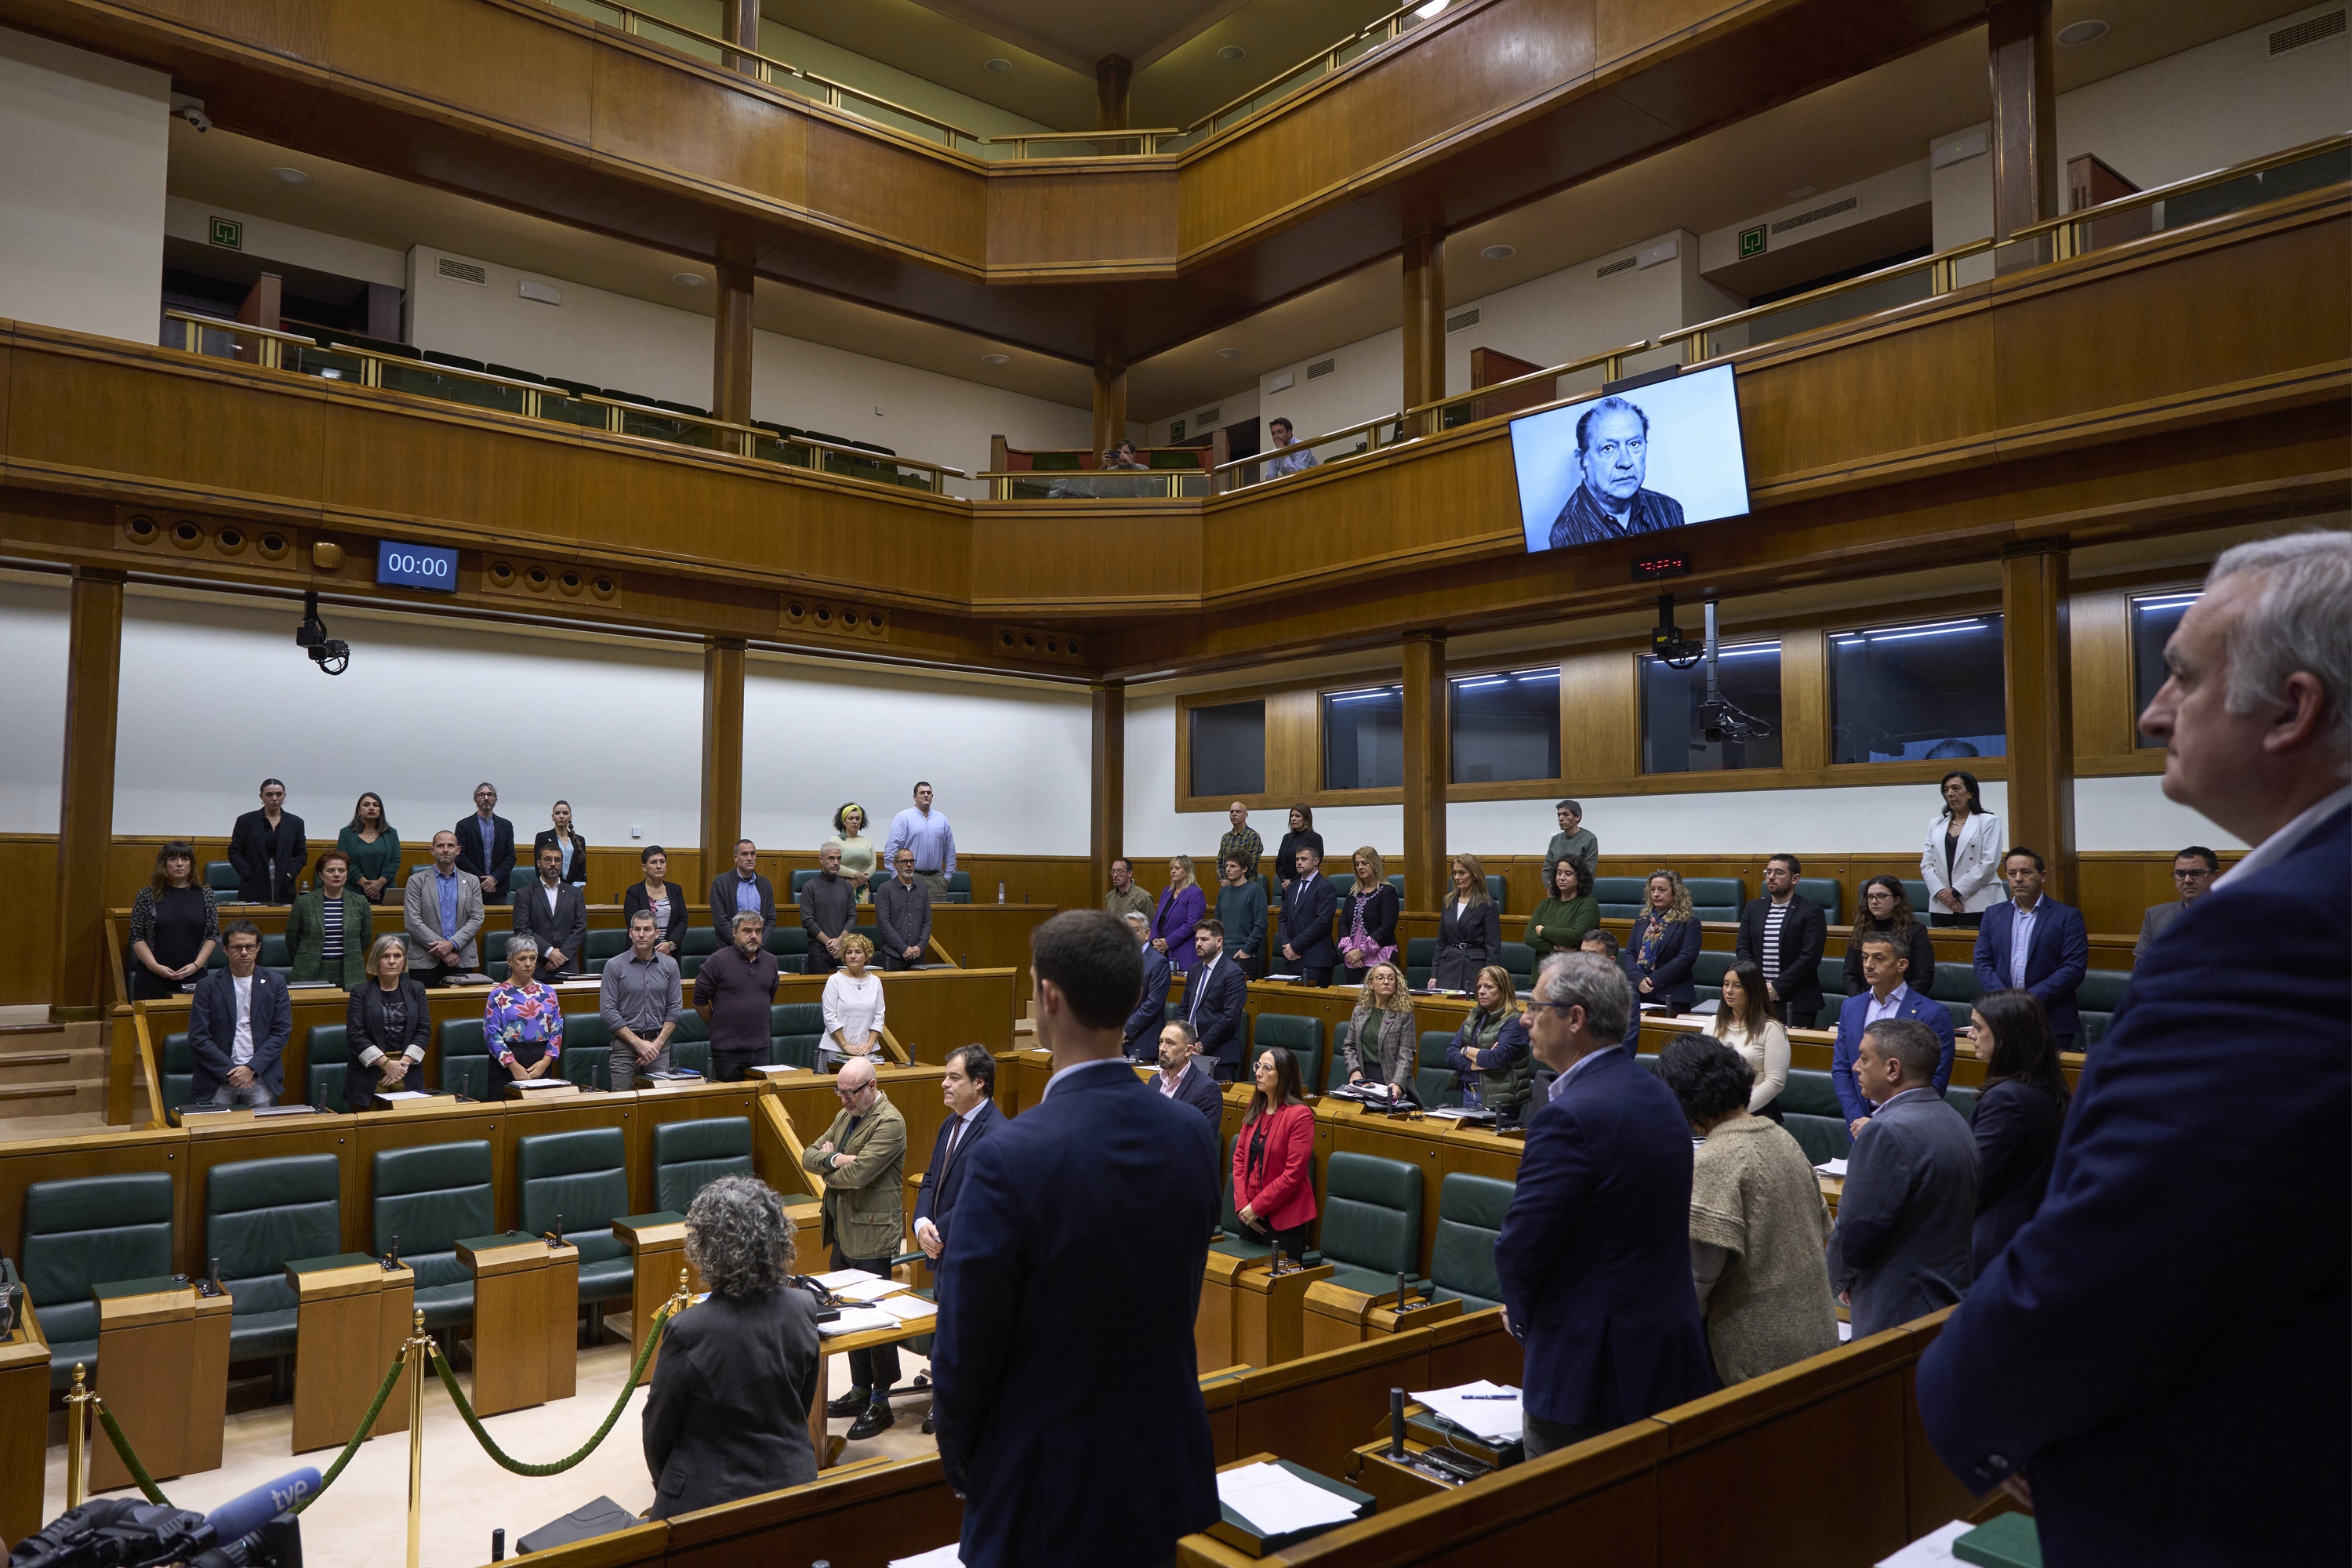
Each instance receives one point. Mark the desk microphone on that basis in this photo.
(1396, 1424)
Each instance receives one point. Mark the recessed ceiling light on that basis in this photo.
(998, 66)
(996, 359)
(1233, 52)
(292, 176)
(2083, 33)
(1499, 252)
(686, 279)
(1229, 353)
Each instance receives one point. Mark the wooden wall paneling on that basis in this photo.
(737, 143)
(1294, 757)
(1805, 699)
(2099, 665)
(1066, 557)
(1927, 386)
(1097, 222)
(916, 200)
(28, 860)
(2037, 666)
(501, 483)
(932, 1012)
(1428, 745)
(1313, 1410)
(1600, 716)
(79, 988)
(515, 71)
(889, 1511)
(1106, 785)
(722, 750)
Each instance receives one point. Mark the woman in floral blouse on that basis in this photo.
(522, 1025)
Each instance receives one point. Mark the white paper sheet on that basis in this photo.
(907, 1309)
(840, 1277)
(1477, 1408)
(402, 1094)
(1831, 1167)
(1277, 1502)
(1845, 1332)
(1933, 1549)
(948, 1556)
(867, 1290)
(857, 1321)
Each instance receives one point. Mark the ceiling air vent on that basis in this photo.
(2306, 32)
(464, 272)
(1322, 367)
(1801, 219)
(1616, 267)
(1467, 319)
(1206, 418)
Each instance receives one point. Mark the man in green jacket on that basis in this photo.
(863, 1159)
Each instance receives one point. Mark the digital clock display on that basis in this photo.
(1649, 568)
(417, 566)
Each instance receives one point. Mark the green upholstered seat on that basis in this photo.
(87, 1231)
(1707, 975)
(689, 1044)
(1433, 1080)
(587, 1059)
(327, 1059)
(1499, 886)
(1820, 1137)
(699, 943)
(1809, 1092)
(1915, 892)
(603, 945)
(260, 1214)
(959, 887)
(1714, 898)
(1824, 893)
(1962, 1098)
(793, 1029)
(1520, 960)
(691, 1155)
(789, 941)
(431, 1197)
(464, 1065)
(1956, 987)
(178, 1070)
(1470, 1212)
(1648, 1062)
(1420, 958)
(1301, 1036)
(1235, 1242)
(801, 879)
(1620, 898)
(580, 1179)
(1371, 1221)
(220, 876)
(2096, 1001)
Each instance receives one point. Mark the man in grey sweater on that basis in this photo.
(902, 915)
(1901, 1246)
(1574, 841)
(828, 903)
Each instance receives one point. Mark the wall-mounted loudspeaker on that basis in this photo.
(803, 615)
(1041, 644)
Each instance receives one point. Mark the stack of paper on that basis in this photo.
(907, 1309)
(1276, 1502)
(946, 1556)
(1831, 1167)
(840, 1277)
(1482, 1409)
(857, 1321)
(867, 1290)
(402, 1094)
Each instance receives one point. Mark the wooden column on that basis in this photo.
(77, 984)
(1427, 764)
(1106, 800)
(722, 752)
(2038, 667)
(730, 359)
(740, 21)
(1110, 402)
(2024, 125)
(1112, 74)
(1424, 315)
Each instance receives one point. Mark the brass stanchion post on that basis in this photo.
(415, 1349)
(78, 1439)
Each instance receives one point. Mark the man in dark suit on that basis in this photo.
(1216, 994)
(238, 1021)
(486, 846)
(1183, 1078)
(1783, 934)
(2030, 942)
(1307, 905)
(1900, 1250)
(2164, 1348)
(968, 1087)
(553, 910)
(742, 888)
(1594, 1254)
(1886, 963)
(1064, 1361)
(1141, 1032)
(268, 850)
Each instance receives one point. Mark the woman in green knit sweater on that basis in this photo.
(1560, 921)
(374, 849)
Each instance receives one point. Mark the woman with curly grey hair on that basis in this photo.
(728, 1415)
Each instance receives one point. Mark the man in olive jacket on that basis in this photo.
(863, 1159)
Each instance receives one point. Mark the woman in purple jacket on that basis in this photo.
(1181, 904)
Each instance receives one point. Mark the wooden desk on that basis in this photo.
(351, 1315)
(163, 1358)
(1213, 1322)
(1268, 1309)
(842, 1344)
(24, 1427)
(657, 1244)
(526, 1321)
(1391, 1482)
(1336, 1316)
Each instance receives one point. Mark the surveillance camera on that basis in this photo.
(196, 117)
(332, 655)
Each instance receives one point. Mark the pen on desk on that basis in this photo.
(1489, 1396)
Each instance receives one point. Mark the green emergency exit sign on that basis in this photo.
(1751, 241)
(230, 234)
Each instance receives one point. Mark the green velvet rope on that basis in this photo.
(367, 1424)
(146, 1483)
(506, 1462)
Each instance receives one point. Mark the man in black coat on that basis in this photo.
(238, 1023)
(552, 910)
(269, 850)
(741, 886)
(1182, 1077)
(1783, 934)
(1216, 994)
(1143, 1025)
(486, 846)
(1308, 903)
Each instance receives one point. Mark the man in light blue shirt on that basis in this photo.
(1290, 459)
(2031, 942)
(926, 833)
(441, 912)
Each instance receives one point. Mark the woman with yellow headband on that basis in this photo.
(857, 852)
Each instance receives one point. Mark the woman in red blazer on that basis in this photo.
(1273, 1176)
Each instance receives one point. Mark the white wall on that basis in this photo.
(81, 188)
(1010, 764)
(34, 628)
(286, 243)
(617, 340)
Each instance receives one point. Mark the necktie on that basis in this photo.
(1192, 1011)
(955, 1139)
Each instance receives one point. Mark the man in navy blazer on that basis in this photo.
(1183, 1077)
(1140, 1036)
(486, 846)
(2030, 942)
(2160, 1356)
(1594, 1254)
(1216, 994)
(968, 1088)
(238, 1021)
(1886, 963)
(1308, 904)
(1069, 1399)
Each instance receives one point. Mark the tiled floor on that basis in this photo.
(362, 1523)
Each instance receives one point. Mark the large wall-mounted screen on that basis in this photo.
(1641, 461)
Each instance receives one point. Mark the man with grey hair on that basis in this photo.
(641, 996)
(1612, 462)
(861, 1161)
(1594, 1254)
(2107, 1346)
(733, 992)
(1900, 1250)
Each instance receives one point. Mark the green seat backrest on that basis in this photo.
(801, 879)
(1825, 894)
(1497, 885)
(220, 876)
(1916, 892)
(1520, 960)
(91, 1230)
(590, 1067)
(432, 1197)
(790, 944)
(1714, 898)
(794, 1029)
(179, 1071)
(493, 944)
(1620, 898)
(1809, 1092)
(604, 944)
(691, 1155)
(958, 887)
(1956, 985)
(700, 942)
(465, 1063)
(690, 1055)
(259, 1214)
(1371, 1213)
(2102, 990)
(1302, 1038)
(1435, 1082)
(580, 1177)
(586, 1029)
(1820, 1137)
(1962, 1098)
(327, 1056)
(1470, 1212)
(1420, 957)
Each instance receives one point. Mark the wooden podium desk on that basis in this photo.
(827, 1450)
(526, 1321)
(657, 1244)
(1337, 1317)
(351, 1315)
(163, 1358)
(24, 1427)
(1213, 1322)
(1270, 1310)
(1392, 1482)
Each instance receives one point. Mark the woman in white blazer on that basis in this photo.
(1961, 862)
